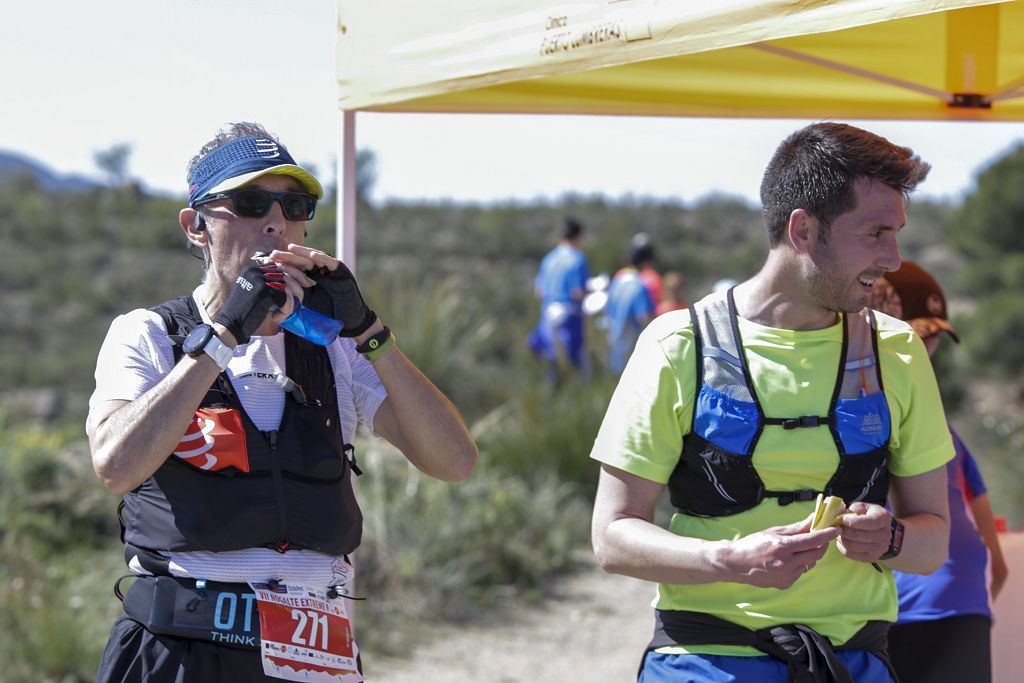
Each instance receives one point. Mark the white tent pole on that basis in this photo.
(345, 230)
(345, 222)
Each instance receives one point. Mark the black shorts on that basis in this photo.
(953, 650)
(135, 655)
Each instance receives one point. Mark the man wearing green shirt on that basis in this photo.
(785, 388)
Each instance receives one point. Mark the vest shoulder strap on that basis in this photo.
(180, 317)
(720, 364)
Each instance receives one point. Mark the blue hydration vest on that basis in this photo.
(715, 475)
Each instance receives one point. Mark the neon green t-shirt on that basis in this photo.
(794, 374)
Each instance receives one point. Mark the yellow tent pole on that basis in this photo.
(972, 49)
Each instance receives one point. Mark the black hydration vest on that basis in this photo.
(715, 475)
(297, 492)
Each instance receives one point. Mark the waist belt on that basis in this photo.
(221, 613)
(809, 656)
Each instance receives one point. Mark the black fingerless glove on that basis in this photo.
(336, 295)
(258, 291)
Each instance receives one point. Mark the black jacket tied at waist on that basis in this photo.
(809, 656)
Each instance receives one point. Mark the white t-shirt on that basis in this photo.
(137, 354)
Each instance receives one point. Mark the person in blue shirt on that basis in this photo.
(943, 632)
(629, 308)
(561, 285)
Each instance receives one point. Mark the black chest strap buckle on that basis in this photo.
(787, 497)
(799, 422)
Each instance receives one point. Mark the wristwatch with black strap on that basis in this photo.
(896, 541)
(203, 339)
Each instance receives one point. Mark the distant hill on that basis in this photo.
(12, 163)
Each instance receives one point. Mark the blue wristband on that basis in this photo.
(312, 326)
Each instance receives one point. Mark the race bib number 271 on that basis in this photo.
(305, 635)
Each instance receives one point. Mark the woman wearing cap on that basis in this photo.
(943, 632)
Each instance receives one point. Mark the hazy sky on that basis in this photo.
(81, 76)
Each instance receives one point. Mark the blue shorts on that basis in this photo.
(563, 334)
(663, 668)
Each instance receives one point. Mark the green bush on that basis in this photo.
(998, 350)
(433, 551)
(59, 550)
(543, 430)
(55, 614)
(50, 499)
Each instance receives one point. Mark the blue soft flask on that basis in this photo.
(309, 325)
(312, 326)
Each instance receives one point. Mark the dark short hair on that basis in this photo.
(572, 229)
(642, 253)
(816, 167)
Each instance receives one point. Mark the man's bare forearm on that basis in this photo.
(131, 439)
(925, 544)
(422, 422)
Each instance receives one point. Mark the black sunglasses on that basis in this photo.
(252, 202)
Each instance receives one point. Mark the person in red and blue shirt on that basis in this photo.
(630, 306)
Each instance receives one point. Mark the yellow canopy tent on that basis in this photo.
(839, 59)
(860, 59)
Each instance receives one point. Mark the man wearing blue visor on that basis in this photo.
(226, 418)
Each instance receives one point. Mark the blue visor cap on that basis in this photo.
(241, 161)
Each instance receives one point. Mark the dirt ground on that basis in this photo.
(592, 632)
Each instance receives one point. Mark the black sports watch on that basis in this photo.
(896, 542)
(203, 339)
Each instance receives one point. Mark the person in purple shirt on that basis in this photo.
(561, 285)
(943, 632)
